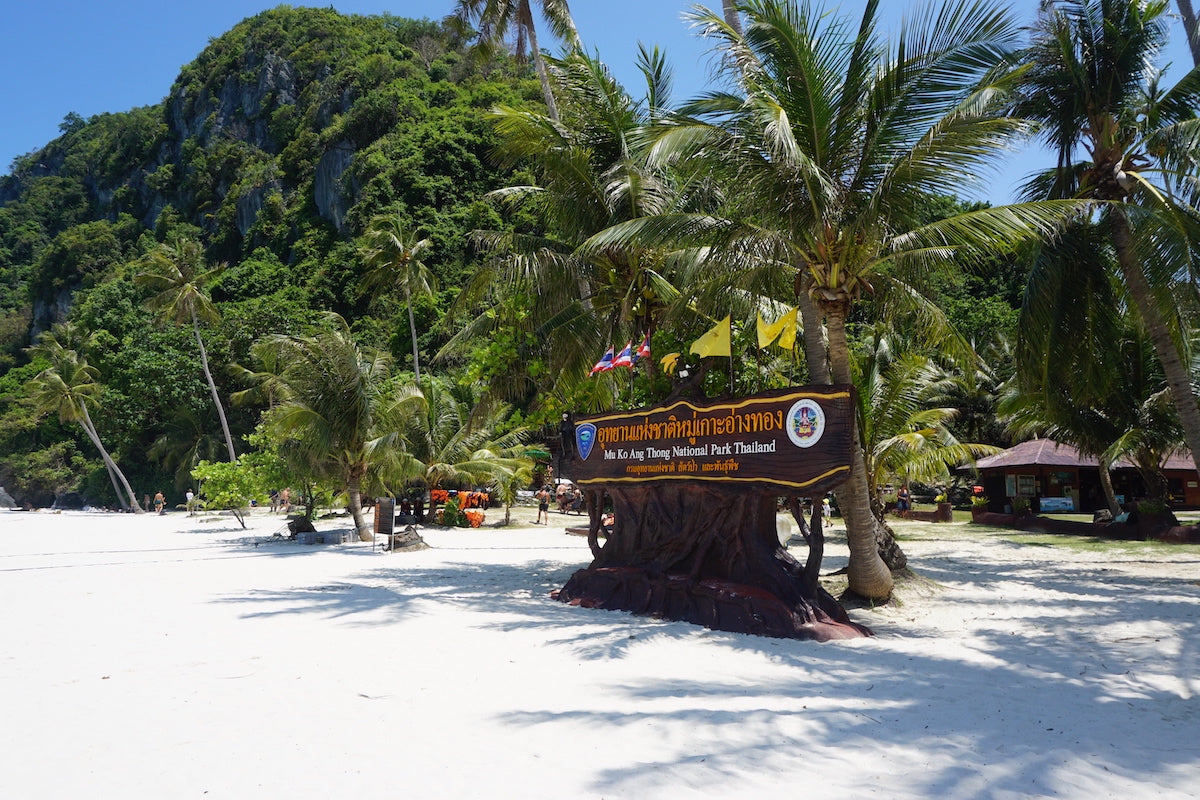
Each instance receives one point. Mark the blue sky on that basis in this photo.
(94, 56)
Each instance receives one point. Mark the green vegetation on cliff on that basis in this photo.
(276, 148)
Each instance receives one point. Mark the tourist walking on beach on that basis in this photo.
(159, 503)
(543, 498)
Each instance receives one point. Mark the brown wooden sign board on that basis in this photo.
(791, 441)
(694, 489)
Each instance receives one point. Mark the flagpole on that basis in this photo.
(757, 365)
(729, 391)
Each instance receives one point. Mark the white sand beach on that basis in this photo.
(173, 657)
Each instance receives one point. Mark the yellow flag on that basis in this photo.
(783, 328)
(715, 342)
(787, 339)
(768, 333)
(668, 361)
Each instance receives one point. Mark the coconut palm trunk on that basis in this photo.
(412, 329)
(212, 387)
(814, 341)
(1110, 494)
(729, 9)
(1189, 27)
(112, 477)
(869, 575)
(90, 429)
(539, 63)
(1174, 370)
(354, 490)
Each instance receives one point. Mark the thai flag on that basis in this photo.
(643, 350)
(604, 364)
(625, 357)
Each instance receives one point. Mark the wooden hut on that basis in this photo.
(1057, 477)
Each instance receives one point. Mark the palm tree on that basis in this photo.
(66, 387)
(905, 436)
(828, 154)
(184, 443)
(495, 20)
(1086, 372)
(394, 255)
(1093, 88)
(331, 413)
(451, 442)
(591, 176)
(176, 271)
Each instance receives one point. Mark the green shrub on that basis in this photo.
(452, 517)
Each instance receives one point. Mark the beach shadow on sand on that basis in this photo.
(996, 707)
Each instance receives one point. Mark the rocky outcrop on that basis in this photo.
(239, 108)
(251, 202)
(47, 314)
(329, 192)
(6, 500)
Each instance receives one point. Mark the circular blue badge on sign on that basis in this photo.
(805, 423)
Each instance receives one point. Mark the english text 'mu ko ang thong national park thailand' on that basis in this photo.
(726, 395)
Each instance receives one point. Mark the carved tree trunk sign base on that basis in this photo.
(705, 554)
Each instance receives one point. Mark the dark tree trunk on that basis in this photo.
(1189, 28)
(731, 16)
(1174, 369)
(704, 554)
(212, 387)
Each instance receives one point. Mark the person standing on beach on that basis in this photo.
(543, 498)
(159, 503)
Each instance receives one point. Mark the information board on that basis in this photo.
(792, 440)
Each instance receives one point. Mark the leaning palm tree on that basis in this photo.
(1125, 141)
(394, 258)
(496, 20)
(178, 274)
(66, 387)
(1086, 373)
(828, 152)
(331, 410)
